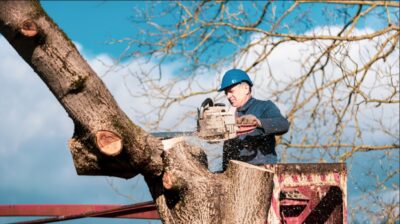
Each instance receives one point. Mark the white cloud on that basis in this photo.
(27, 107)
(284, 65)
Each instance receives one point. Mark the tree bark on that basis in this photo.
(98, 120)
(106, 142)
(189, 193)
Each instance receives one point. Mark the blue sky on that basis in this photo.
(35, 163)
(94, 23)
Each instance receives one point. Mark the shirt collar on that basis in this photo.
(246, 105)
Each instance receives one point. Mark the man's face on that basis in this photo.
(238, 94)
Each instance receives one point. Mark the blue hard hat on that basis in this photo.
(233, 77)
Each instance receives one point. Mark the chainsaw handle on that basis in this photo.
(245, 129)
(206, 102)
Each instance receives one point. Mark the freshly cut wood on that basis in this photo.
(109, 142)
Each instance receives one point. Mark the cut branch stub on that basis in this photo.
(108, 142)
(167, 180)
(29, 28)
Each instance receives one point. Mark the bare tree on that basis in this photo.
(342, 90)
(106, 142)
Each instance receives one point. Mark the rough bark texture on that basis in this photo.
(82, 93)
(106, 142)
(242, 194)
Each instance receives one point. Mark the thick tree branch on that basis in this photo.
(105, 141)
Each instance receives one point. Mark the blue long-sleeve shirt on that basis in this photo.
(257, 146)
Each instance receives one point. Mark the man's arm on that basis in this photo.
(272, 120)
(269, 119)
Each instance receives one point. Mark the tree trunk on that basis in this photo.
(106, 142)
(189, 193)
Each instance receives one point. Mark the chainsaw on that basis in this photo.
(215, 123)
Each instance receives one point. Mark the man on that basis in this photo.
(259, 121)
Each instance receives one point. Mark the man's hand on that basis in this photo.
(247, 124)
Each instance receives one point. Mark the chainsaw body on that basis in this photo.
(216, 122)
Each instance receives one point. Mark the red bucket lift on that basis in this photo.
(309, 193)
